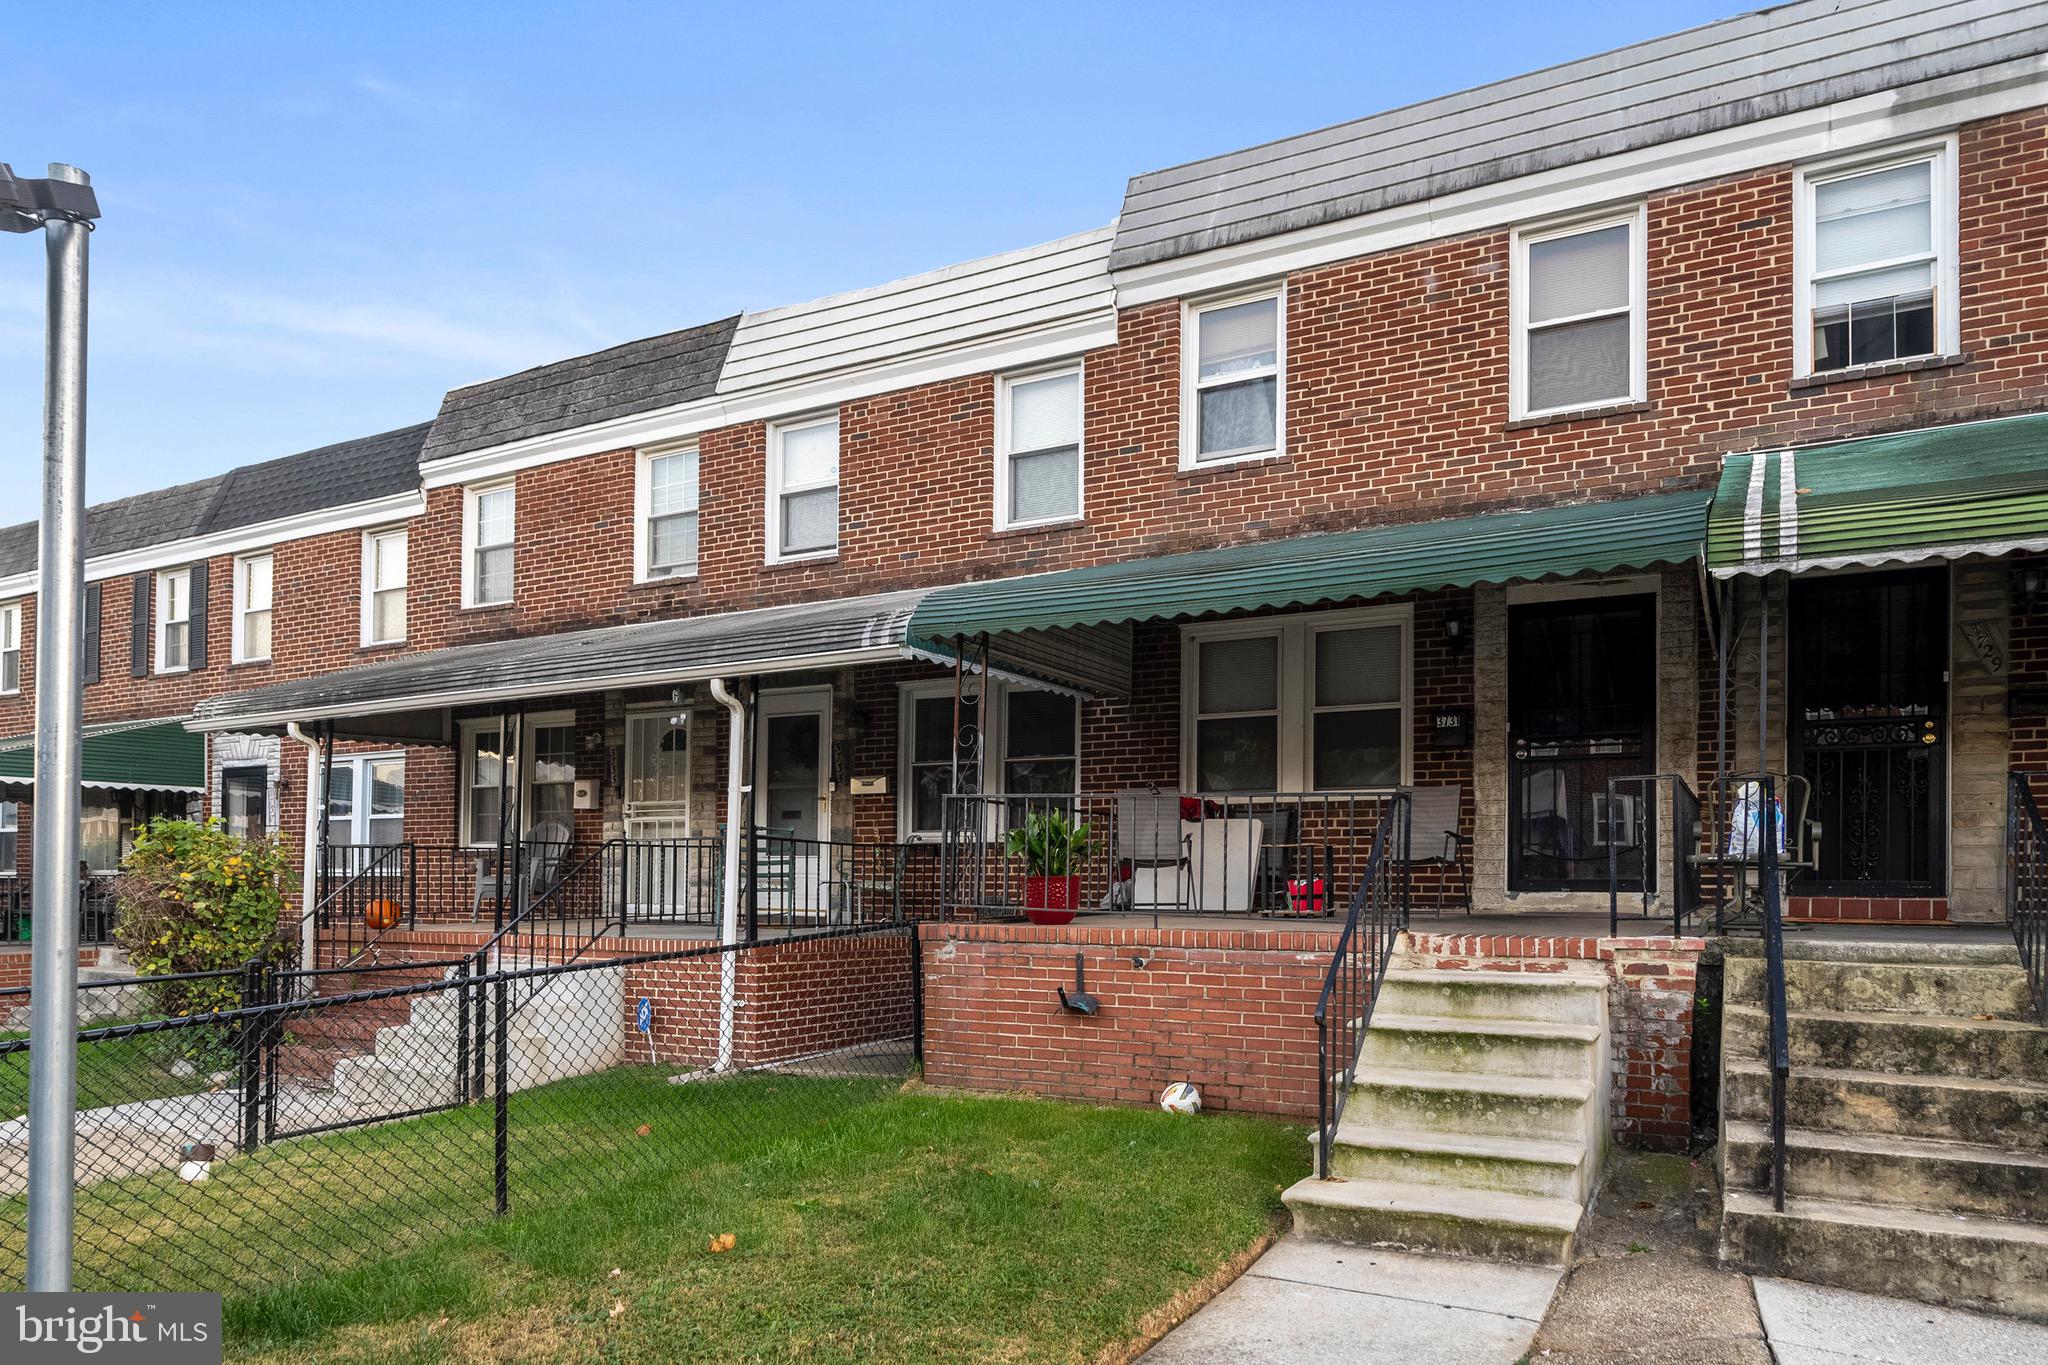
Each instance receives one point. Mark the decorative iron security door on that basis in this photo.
(1869, 659)
(1582, 704)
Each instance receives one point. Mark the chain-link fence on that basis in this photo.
(342, 1115)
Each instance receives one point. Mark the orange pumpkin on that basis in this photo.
(381, 914)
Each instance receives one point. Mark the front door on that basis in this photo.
(792, 807)
(1869, 673)
(1582, 706)
(245, 801)
(666, 877)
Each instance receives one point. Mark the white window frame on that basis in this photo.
(1295, 755)
(368, 637)
(471, 528)
(1190, 367)
(522, 754)
(10, 826)
(643, 514)
(243, 608)
(1004, 383)
(163, 621)
(1942, 180)
(359, 817)
(1636, 218)
(10, 645)
(776, 489)
(995, 759)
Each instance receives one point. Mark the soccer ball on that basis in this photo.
(1181, 1098)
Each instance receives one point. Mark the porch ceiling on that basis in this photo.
(808, 635)
(1600, 537)
(1976, 488)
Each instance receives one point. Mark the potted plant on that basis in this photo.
(1052, 845)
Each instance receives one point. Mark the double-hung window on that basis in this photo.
(252, 608)
(1315, 702)
(174, 621)
(1233, 379)
(803, 489)
(1030, 750)
(10, 832)
(668, 515)
(1875, 246)
(488, 531)
(366, 800)
(384, 577)
(539, 784)
(1578, 315)
(10, 646)
(928, 759)
(1038, 440)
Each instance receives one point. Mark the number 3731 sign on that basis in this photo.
(1451, 728)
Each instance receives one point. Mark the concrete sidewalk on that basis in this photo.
(1306, 1301)
(1809, 1325)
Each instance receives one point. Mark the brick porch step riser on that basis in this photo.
(1904, 1044)
(1894, 987)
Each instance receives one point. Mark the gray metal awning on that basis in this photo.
(399, 694)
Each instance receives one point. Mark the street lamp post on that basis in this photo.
(63, 206)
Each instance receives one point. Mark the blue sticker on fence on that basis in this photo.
(644, 1016)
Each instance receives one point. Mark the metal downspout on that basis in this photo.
(735, 808)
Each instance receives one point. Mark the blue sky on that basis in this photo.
(320, 217)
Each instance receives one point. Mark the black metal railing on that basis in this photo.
(365, 892)
(2026, 883)
(1638, 808)
(1373, 921)
(97, 909)
(558, 922)
(1774, 981)
(1158, 853)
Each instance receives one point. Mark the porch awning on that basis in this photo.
(1599, 537)
(807, 635)
(1977, 488)
(147, 755)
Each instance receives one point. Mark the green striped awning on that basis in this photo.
(1977, 488)
(1598, 537)
(147, 755)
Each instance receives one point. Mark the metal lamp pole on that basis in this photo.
(63, 206)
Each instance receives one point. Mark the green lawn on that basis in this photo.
(110, 1071)
(869, 1224)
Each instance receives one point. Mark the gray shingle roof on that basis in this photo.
(331, 476)
(1754, 66)
(655, 372)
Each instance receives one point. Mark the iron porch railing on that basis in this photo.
(1373, 921)
(2026, 883)
(1638, 809)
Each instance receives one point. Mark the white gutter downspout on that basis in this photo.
(735, 808)
(316, 782)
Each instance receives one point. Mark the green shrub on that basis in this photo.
(194, 898)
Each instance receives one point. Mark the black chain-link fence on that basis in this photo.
(347, 1114)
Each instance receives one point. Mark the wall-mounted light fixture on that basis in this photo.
(1457, 634)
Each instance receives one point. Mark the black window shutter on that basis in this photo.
(92, 633)
(138, 634)
(198, 631)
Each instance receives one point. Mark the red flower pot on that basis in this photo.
(1051, 900)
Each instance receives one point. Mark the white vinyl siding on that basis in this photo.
(668, 500)
(384, 581)
(1233, 379)
(1313, 702)
(1875, 251)
(1038, 464)
(803, 489)
(10, 647)
(173, 621)
(488, 531)
(1578, 315)
(252, 608)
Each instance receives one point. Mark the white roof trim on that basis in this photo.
(1866, 121)
(168, 554)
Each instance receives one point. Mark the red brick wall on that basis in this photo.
(1231, 1010)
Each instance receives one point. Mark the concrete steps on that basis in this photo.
(1478, 1118)
(1916, 1137)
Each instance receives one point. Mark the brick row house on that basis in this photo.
(1669, 417)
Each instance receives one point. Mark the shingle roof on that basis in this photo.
(1754, 66)
(331, 476)
(655, 372)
